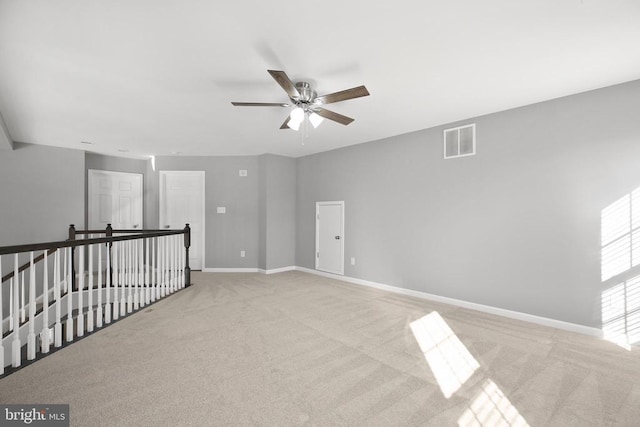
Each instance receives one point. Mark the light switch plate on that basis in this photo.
(242, 172)
(221, 209)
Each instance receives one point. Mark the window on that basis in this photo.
(460, 141)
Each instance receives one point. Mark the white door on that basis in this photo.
(115, 198)
(182, 202)
(330, 237)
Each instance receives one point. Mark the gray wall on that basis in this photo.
(262, 212)
(517, 226)
(279, 216)
(41, 193)
(238, 229)
(260, 216)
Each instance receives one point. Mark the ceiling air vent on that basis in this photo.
(460, 141)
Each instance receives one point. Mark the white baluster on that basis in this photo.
(141, 271)
(80, 318)
(140, 243)
(163, 266)
(136, 297)
(99, 308)
(15, 344)
(11, 304)
(168, 266)
(123, 276)
(44, 335)
(176, 254)
(176, 243)
(178, 262)
(69, 281)
(169, 254)
(147, 277)
(129, 276)
(90, 297)
(152, 267)
(158, 281)
(64, 264)
(181, 259)
(31, 338)
(172, 264)
(177, 249)
(156, 267)
(1, 323)
(107, 279)
(22, 311)
(116, 266)
(57, 329)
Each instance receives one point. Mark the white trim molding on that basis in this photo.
(229, 270)
(553, 323)
(278, 270)
(248, 270)
(544, 321)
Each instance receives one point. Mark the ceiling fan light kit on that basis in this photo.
(307, 103)
(315, 119)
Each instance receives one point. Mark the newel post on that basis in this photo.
(72, 236)
(187, 243)
(109, 233)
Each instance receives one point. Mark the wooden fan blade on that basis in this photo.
(260, 104)
(331, 115)
(354, 92)
(285, 82)
(285, 124)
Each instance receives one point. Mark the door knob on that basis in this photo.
(337, 237)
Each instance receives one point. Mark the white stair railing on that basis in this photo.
(86, 285)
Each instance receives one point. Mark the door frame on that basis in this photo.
(318, 204)
(91, 176)
(161, 196)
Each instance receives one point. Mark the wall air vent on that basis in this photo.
(460, 141)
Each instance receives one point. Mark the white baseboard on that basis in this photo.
(553, 323)
(248, 270)
(278, 270)
(229, 270)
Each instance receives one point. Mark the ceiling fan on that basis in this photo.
(307, 102)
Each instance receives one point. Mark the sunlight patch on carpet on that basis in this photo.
(449, 359)
(491, 408)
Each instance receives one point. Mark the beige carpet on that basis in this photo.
(296, 349)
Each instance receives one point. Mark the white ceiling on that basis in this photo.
(156, 77)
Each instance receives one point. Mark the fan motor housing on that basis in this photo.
(307, 94)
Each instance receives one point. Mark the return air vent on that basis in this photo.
(460, 141)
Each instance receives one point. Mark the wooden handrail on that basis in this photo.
(51, 247)
(5, 250)
(26, 265)
(122, 231)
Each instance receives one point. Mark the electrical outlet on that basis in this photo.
(242, 254)
(353, 260)
(242, 172)
(221, 209)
